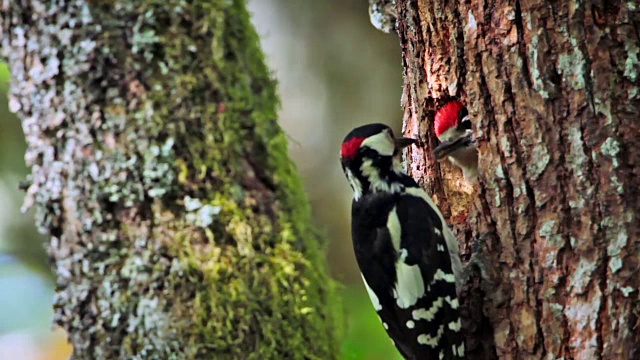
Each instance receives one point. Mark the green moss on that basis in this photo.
(256, 278)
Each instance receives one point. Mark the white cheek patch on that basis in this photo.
(377, 183)
(381, 143)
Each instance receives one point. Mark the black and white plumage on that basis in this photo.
(407, 254)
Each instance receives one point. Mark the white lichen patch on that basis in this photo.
(627, 290)
(576, 204)
(582, 275)
(610, 147)
(505, 145)
(191, 204)
(556, 309)
(204, 216)
(615, 264)
(547, 229)
(472, 24)
(616, 244)
(581, 315)
(576, 158)
(631, 64)
(539, 160)
(382, 14)
(572, 66)
(536, 75)
(616, 183)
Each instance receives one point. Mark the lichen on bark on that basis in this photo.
(552, 90)
(179, 226)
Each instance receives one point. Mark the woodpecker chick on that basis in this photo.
(453, 129)
(407, 255)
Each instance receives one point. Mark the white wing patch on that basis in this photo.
(409, 283)
(374, 298)
(395, 230)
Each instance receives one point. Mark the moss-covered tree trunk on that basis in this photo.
(553, 88)
(179, 227)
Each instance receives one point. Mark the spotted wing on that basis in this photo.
(435, 315)
(409, 278)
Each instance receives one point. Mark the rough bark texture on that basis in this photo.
(179, 228)
(553, 88)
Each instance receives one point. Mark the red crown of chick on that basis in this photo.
(447, 116)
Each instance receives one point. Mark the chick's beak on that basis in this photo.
(403, 142)
(447, 147)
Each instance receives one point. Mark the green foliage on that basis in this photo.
(365, 338)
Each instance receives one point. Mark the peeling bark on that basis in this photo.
(553, 89)
(179, 227)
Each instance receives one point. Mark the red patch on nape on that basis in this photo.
(350, 147)
(447, 116)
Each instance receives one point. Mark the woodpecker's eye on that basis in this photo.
(465, 124)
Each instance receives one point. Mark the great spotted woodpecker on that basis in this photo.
(453, 129)
(407, 255)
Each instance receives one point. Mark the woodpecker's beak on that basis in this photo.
(403, 142)
(446, 148)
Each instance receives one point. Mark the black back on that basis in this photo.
(422, 232)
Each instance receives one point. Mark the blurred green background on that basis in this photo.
(335, 72)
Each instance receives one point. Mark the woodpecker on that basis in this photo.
(407, 255)
(453, 129)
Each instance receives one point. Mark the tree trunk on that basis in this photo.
(179, 227)
(553, 88)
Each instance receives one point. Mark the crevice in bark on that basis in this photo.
(460, 53)
(531, 213)
(522, 46)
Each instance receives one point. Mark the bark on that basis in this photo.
(553, 88)
(179, 227)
